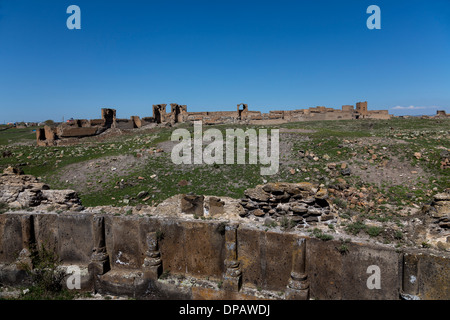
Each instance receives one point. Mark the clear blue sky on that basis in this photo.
(214, 54)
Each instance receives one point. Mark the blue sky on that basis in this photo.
(214, 54)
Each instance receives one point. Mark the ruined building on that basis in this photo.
(178, 114)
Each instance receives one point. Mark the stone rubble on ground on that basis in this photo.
(302, 202)
(20, 191)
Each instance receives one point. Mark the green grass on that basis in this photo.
(374, 231)
(424, 135)
(320, 235)
(15, 135)
(355, 227)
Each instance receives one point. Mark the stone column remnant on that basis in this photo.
(233, 273)
(99, 259)
(410, 281)
(152, 262)
(298, 286)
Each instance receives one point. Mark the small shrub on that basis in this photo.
(345, 215)
(425, 244)
(3, 207)
(343, 248)
(287, 223)
(398, 235)
(341, 203)
(46, 274)
(355, 228)
(272, 224)
(374, 231)
(320, 235)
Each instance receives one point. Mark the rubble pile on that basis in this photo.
(439, 210)
(20, 191)
(302, 202)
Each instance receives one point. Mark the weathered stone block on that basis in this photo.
(72, 247)
(216, 206)
(192, 204)
(123, 243)
(78, 132)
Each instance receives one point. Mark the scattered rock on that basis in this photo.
(192, 204)
(13, 170)
(142, 194)
(286, 199)
(23, 191)
(258, 213)
(7, 154)
(183, 183)
(257, 194)
(216, 206)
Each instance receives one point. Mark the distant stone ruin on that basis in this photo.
(441, 114)
(79, 128)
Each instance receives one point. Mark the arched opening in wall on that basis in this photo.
(41, 134)
(109, 116)
(177, 113)
(243, 112)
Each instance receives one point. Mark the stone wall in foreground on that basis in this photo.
(146, 256)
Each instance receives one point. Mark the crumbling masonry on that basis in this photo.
(178, 114)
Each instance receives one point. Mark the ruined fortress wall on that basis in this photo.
(347, 108)
(338, 115)
(267, 259)
(178, 114)
(222, 113)
(124, 124)
(378, 114)
(264, 122)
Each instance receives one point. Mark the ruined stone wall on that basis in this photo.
(179, 114)
(339, 115)
(138, 249)
(378, 114)
(46, 136)
(347, 108)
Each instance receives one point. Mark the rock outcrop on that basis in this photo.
(439, 209)
(20, 191)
